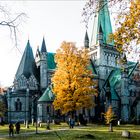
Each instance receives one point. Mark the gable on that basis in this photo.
(113, 78)
(131, 67)
(47, 96)
(91, 67)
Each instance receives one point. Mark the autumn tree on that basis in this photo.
(73, 83)
(109, 117)
(127, 35)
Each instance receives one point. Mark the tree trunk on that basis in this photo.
(110, 127)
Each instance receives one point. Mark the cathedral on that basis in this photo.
(30, 98)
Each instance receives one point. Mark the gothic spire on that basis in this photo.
(102, 23)
(86, 41)
(43, 47)
(27, 64)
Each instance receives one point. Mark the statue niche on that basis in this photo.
(18, 105)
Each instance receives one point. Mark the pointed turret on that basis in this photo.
(86, 41)
(124, 59)
(37, 52)
(27, 64)
(43, 47)
(37, 57)
(102, 23)
(43, 67)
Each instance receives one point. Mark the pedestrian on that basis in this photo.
(17, 125)
(72, 122)
(11, 129)
(69, 120)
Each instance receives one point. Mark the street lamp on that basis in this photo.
(36, 98)
(35, 111)
(27, 106)
(36, 114)
(9, 105)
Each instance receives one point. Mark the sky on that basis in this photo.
(56, 21)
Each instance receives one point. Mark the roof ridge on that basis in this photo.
(133, 69)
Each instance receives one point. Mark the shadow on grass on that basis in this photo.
(86, 136)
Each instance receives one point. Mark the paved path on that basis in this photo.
(29, 133)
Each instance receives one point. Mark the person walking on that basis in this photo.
(72, 122)
(17, 125)
(11, 129)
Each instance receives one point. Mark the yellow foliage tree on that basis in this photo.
(73, 83)
(109, 115)
(129, 28)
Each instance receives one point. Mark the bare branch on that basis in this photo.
(94, 6)
(11, 23)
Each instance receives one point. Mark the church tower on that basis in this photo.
(103, 53)
(43, 67)
(20, 107)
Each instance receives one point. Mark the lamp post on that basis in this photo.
(27, 106)
(36, 97)
(33, 111)
(9, 106)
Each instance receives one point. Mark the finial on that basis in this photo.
(28, 37)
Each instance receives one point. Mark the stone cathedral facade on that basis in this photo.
(31, 98)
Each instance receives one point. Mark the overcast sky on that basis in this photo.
(55, 20)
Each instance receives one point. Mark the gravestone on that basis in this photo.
(126, 134)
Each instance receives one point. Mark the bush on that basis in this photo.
(57, 121)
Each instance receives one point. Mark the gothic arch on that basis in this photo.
(20, 83)
(33, 84)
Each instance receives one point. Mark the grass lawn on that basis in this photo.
(91, 131)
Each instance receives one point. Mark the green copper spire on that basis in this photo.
(102, 23)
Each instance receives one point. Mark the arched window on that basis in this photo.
(48, 109)
(18, 105)
(107, 59)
